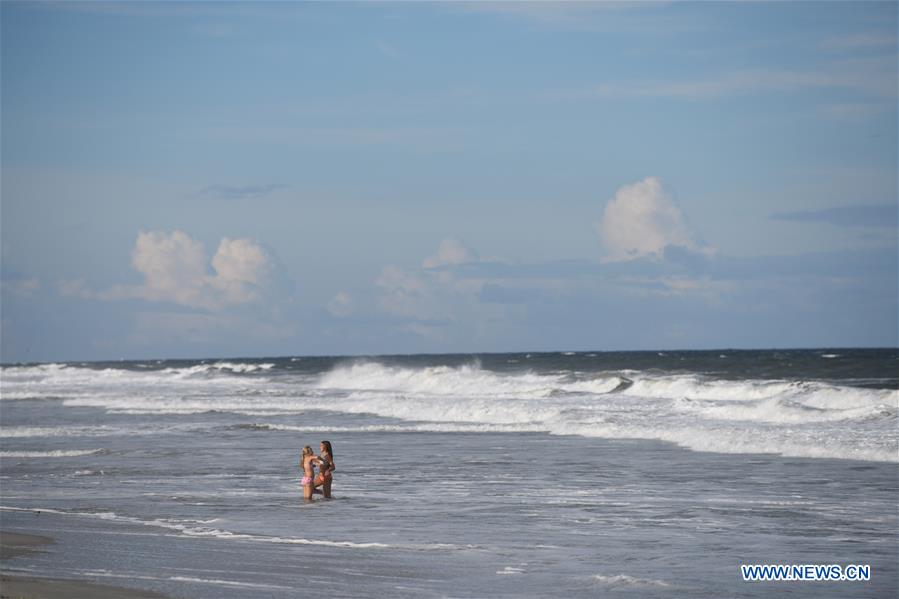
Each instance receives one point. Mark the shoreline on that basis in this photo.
(13, 544)
(28, 587)
(15, 586)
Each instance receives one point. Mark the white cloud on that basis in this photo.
(441, 306)
(341, 305)
(173, 266)
(22, 287)
(404, 294)
(642, 220)
(175, 270)
(451, 252)
(434, 292)
(242, 269)
(75, 288)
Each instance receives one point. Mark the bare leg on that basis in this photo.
(307, 492)
(326, 488)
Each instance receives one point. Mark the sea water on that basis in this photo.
(649, 474)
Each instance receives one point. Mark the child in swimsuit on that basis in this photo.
(307, 464)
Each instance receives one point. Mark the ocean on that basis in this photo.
(580, 474)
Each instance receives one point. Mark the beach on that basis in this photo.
(181, 479)
(21, 587)
(15, 587)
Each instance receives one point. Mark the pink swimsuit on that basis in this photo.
(307, 480)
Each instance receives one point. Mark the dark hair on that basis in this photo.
(327, 444)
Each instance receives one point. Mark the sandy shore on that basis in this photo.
(17, 587)
(13, 544)
(27, 587)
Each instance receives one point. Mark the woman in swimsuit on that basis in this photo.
(307, 465)
(326, 470)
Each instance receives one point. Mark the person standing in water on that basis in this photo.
(326, 469)
(307, 464)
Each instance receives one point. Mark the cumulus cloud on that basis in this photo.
(438, 291)
(642, 220)
(404, 294)
(174, 267)
(341, 305)
(451, 252)
(242, 270)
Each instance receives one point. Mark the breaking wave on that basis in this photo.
(700, 412)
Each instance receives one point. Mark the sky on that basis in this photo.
(200, 180)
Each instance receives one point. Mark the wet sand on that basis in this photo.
(13, 544)
(28, 587)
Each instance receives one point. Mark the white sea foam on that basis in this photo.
(436, 380)
(240, 367)
(226, 583)
(743, 440)
(625, 580)
(695, 387)
(26, 396)
(189, 579)
(797, 418)
(49, 376)
(57, 431)
(598, 385)
(411, 427)
(60, 453)
(201, 369)
(788, 409)
(194, 528)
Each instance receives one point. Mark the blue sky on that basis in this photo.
(253, 179)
